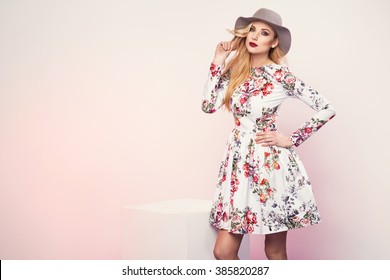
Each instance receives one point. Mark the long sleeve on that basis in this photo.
(325, 111)
(215, 89)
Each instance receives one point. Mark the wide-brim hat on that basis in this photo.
(274, 20)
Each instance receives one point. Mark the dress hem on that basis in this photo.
(265, 233)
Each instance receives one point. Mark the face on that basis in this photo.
(261, 39)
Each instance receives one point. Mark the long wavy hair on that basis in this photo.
(239, 65)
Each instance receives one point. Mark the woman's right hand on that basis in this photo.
(223, 50)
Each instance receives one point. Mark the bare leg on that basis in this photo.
(227, 245)
(275, 246)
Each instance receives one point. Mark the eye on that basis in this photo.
(252, 29)
(264, 33)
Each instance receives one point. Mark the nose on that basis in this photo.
(255, 36)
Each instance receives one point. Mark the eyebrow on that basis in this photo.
(264, 29)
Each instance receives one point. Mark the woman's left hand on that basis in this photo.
(271, 138)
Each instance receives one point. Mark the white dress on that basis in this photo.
(260, 189)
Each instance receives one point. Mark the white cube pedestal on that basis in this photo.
(172, 229)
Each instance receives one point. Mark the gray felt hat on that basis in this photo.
(272, 19)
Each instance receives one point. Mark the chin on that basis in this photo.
(250, 50)
(254, 52)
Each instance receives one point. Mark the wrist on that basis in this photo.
(218, 61)
(290, 142)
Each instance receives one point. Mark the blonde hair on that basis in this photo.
(239, 66)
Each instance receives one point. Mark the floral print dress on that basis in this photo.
(263, 190)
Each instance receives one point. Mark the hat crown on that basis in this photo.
(268, 15)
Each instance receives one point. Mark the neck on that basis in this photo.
(257, 61)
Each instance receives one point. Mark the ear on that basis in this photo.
(275, 43)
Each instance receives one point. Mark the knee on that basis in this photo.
(222, 254)
(275, 246)
(219, 254)
(271, 252)
(275, 252)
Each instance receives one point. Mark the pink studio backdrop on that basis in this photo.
(100, 109)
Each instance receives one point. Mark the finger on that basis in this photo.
(268, 143)
(263, 133)
(229, 45)
(225, 46)
(259, 134)
(263, 139)
(259, 139)
(228, 48)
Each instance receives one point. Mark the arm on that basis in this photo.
(217, 84)
(325, 111)
(215, 89)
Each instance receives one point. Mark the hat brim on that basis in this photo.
(284, 34)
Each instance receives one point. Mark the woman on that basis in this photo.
(262, 185)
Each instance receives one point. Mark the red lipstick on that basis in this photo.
(253, 45)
